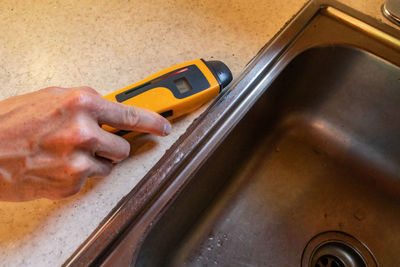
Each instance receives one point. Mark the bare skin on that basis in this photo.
(51, 140)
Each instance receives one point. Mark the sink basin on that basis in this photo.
(318, 152)
(297, 164)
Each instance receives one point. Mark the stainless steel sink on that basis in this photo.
(318, 152)
(297, 164)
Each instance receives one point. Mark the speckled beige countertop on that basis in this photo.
(109, 44)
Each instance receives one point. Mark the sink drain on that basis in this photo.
(329, 261)
(334, 254)
(336, 249)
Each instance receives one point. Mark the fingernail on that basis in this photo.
(167, 128)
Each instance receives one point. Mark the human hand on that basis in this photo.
(51, 140)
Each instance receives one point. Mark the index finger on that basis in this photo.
(131, 118)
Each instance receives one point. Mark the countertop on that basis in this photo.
(107, 45)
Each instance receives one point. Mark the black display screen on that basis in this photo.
(183, 85)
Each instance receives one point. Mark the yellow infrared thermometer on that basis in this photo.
(175, 91)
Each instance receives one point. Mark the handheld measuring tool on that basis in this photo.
(175, 91)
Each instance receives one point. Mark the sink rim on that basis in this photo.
(136, 212)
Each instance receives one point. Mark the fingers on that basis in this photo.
(54, 185)
(86, 135)
(83, 164)
(111, 146)
(132, 118)
(100, 168)
(95, 168)
(117, 115)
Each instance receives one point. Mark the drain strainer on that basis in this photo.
(336, 249)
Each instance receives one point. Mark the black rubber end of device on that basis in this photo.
(221, 72)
